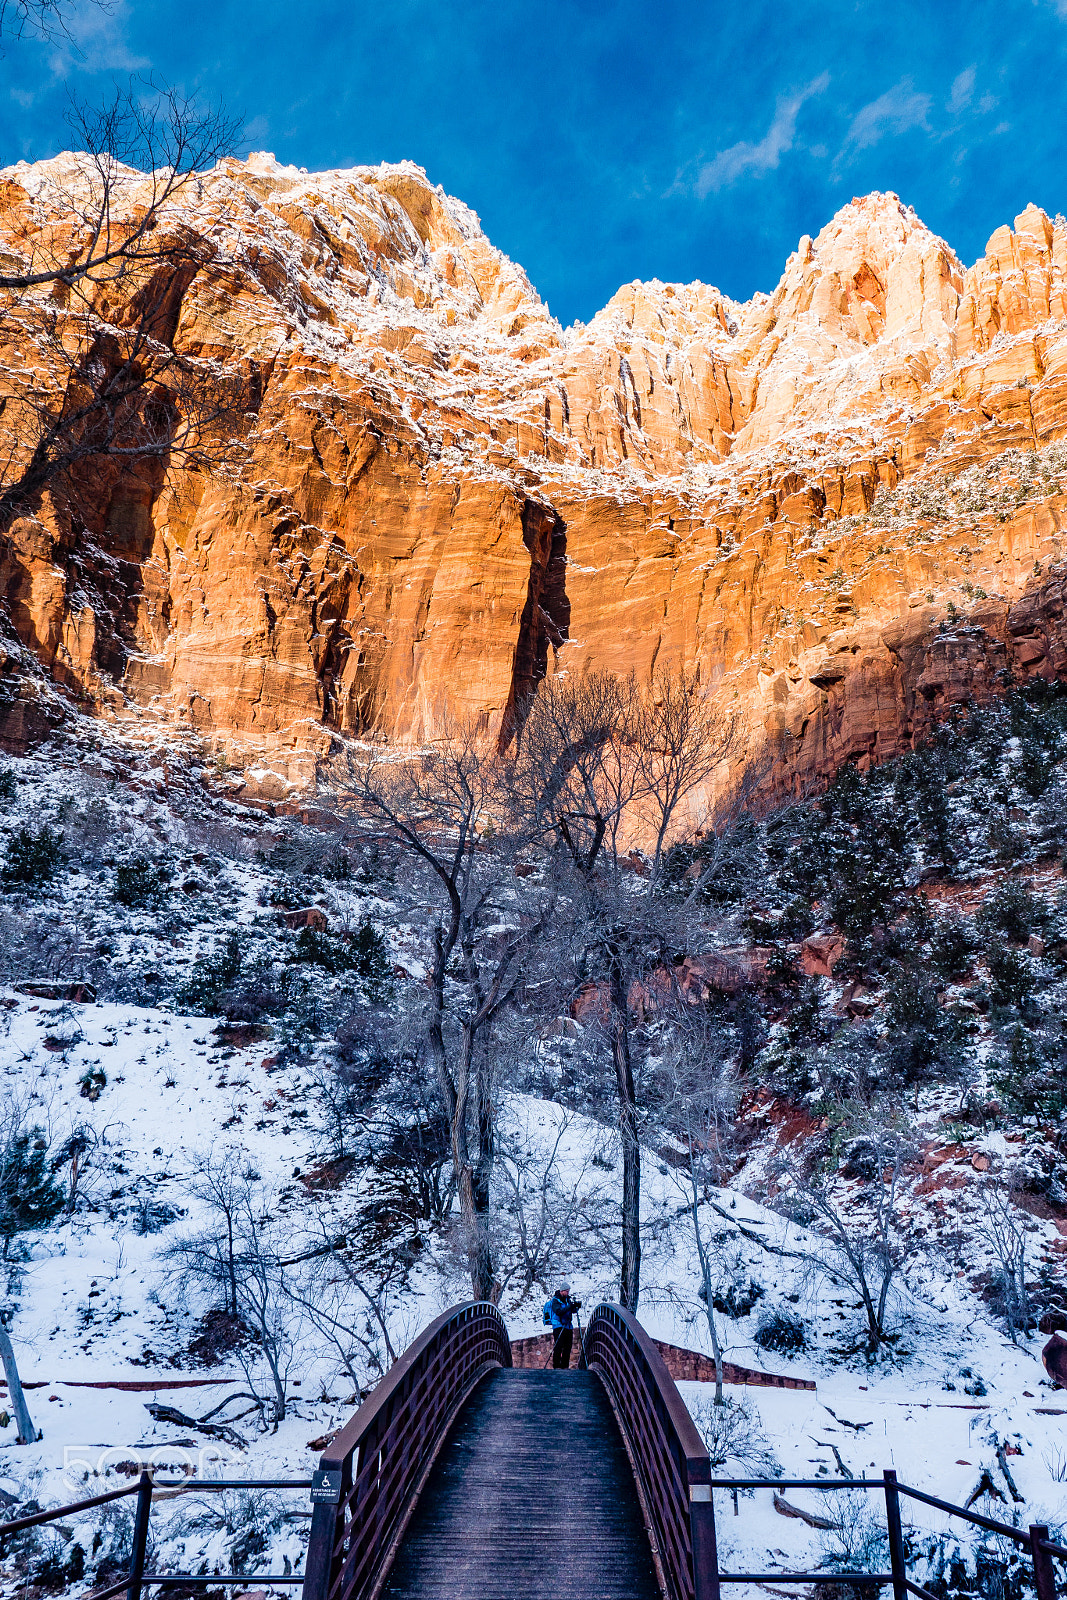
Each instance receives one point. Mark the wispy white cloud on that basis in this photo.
(763, 155)
(96, 42)
(963, 89)
(256, 132)
(895, 112)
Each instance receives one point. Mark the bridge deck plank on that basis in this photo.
(532, 1495)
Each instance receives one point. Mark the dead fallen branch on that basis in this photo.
(785, 1509)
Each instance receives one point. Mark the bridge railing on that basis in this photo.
(1034, 1540)
(370, 1475)
(670, 1457)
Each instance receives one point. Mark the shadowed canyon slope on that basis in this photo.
(843, 500)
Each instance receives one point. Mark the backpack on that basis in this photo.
(547, 1314)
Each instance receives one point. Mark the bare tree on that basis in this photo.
(863, 1246)
(139, 151)
(548, 1207)
(574, 776)
(682, 739)
(699, 1110)
(235, 1253)
(584, 764)
(265, 1306)
(574, 773)
(347, 1305)
(212, 1256)
(27, 1433)
(38, 19)
(441, 808)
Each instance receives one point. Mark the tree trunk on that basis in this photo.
(475, 1220)
(483, 1172)
(706, 1285)
(231, 1266)
(630, 1276)
(27, 1431)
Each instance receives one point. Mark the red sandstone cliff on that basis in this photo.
(843, 500)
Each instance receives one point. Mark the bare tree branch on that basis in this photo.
(44, 20)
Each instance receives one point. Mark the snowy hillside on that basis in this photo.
(190, 990)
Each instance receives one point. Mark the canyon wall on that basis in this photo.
(843, 502)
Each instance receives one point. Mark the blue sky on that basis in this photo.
(602, 142)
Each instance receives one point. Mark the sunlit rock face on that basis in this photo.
(841, 501)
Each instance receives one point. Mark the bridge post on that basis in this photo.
(1044, 1568)
(140, 1537)
(320, 1553)
(897, 1563)
(705, 1548)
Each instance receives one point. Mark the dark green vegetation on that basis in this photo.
(30, 1198)
(138, 882)
(942, 874)
(32, 858)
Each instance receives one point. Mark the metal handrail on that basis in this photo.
(669, 1456)
(989, 1523)
(39, 1517)
(370, 1475)
(1035, 1539)
(136, 1579)
(828, 1575)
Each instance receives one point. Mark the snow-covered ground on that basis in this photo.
(96, 1305)
(97, 1299)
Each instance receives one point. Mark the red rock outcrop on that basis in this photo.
(842, 501)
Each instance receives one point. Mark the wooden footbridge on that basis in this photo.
(465, 1475)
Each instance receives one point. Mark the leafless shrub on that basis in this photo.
(234, 1255)
(242, 1521)
(548, 1211)
(733, 1432)
(1004, 1228)
(92, 830)
(218, 836)
(46, 946)
(866, 1243)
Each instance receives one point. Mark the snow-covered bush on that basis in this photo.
(735, 1438)
(737, 1296)
(140, 882)
(953, 942)
(781, 1330)
(1014, 911)
(32, 859)
(858, 1541)
(1012, 973)
(309, 853)
(90, 833)
(238, 1525)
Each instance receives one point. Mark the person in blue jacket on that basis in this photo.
(559, 1313)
